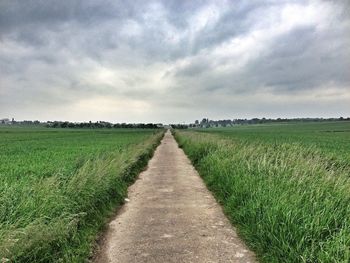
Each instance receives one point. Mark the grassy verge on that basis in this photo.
(59, 217)
(290, 203)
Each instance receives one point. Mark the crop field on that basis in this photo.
(331, 138)
(58, 186)
(285, 186)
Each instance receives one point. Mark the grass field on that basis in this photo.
(331, 138)
(58, 186)
(285, 186)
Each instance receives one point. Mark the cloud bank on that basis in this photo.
(174, 61)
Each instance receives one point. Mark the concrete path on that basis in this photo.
(171, 217)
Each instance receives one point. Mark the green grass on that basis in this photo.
(331, 138)
(285, 187)
(57, 187)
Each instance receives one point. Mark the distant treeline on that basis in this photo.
(179, 126)
(206, 123)
(7, 121)
(102, 124)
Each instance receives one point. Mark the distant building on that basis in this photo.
(5, 121)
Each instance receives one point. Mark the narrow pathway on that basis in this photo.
(171, 217)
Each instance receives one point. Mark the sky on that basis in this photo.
(174, 61)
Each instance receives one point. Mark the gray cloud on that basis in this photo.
(173, 60)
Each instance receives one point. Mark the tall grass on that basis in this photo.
(330, 138)
(289, 202)
(57, 218)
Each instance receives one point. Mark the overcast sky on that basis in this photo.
(173, 61)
